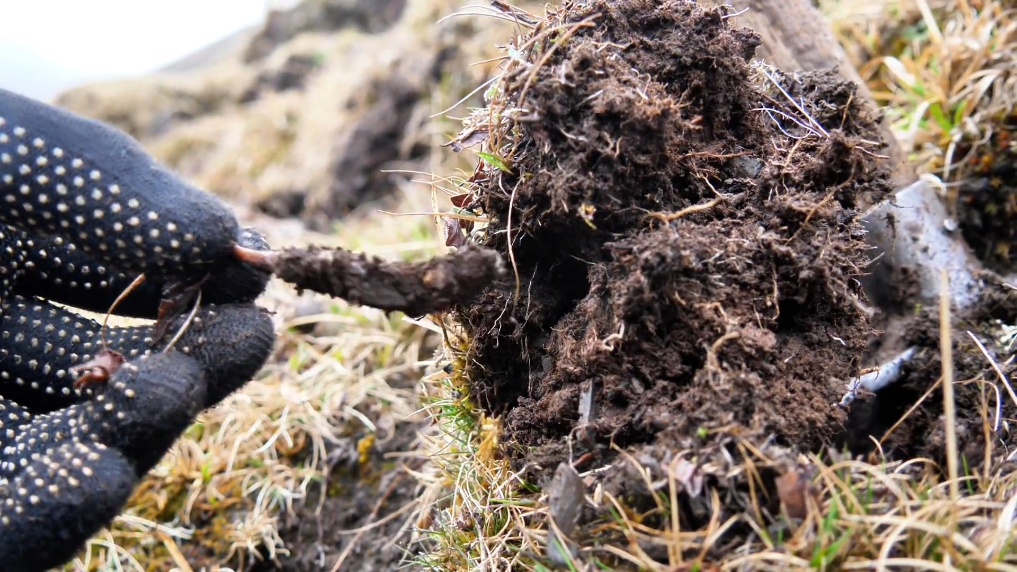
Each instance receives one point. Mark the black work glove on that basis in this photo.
(83, 212)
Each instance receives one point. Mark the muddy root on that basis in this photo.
(414, 288)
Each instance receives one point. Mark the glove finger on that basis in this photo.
(65, 176)
(12, 418)
(56, 270)
(140, 412)
(56, 491)
(58, 501)
(40, 344)
(232, 342)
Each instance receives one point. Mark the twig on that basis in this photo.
(186, 324)
(130, 288)
(668, 217)
(467, 96)
(511, 251)
(440, 214)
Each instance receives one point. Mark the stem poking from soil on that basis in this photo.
(416, 289)
(949, 403)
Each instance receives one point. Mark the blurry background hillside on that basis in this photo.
(298, 115)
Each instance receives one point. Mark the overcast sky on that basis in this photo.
(49, 45)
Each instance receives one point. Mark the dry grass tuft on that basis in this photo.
(470, 516)
(946, 69)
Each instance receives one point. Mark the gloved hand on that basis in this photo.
(83, 212)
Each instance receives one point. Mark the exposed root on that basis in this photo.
(415, 289)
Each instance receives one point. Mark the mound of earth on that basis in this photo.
(684, 239)
(684, 230)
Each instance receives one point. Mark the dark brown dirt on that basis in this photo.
(987, 203)
(414, 288)
(358, 494)
(743, 312)
(922, 432)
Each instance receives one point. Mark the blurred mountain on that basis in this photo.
(214, 53)
(309, 114)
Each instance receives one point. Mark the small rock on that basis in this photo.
(746, 167)
(566, 496)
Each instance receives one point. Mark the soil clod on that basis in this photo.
(684, 229)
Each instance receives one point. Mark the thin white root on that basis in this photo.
(879, 378)
(186, 324)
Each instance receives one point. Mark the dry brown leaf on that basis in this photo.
(453, 231)
(793, 489)
(461, 200)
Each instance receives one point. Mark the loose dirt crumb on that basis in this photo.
(684, 236)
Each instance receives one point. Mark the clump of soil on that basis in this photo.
(684, 236)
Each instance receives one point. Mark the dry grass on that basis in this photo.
(836, 513)
(945, 69)
(223, 486)
(219, 494)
